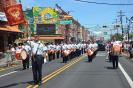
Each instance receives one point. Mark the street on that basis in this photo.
(54, 44)
(77, 73)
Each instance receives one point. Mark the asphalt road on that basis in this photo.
(98, 74)
(76, 74)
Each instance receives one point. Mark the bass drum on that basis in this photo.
(17, 55)
(23, 54)
(66, 52)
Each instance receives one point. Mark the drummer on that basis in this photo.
(25, 62)
(50, 56)
(65, 53)
(58, 48)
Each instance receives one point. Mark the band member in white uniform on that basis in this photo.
(58, 48)
(25, 62)
(37, 60)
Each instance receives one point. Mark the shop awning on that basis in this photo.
(52, 38)
(45, 38)
(9, 28)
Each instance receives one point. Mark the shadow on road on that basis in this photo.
(31, 82)
(109, 67)
(19, 69)
(15, 84)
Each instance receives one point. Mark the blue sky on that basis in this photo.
(88, 15)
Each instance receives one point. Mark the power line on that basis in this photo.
(101, 3)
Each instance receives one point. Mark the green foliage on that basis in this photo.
(131, 35)
(117, 37)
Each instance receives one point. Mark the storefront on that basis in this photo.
(8, 34)
(45, 23)
(57, 39)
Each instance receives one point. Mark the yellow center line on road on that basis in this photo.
(55, 73)
(52, 73)
(61, 71)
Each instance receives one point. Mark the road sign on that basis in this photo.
(105, 33)
(66, 22)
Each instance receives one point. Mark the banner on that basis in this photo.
(14, 14)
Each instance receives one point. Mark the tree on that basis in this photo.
(117, 37)
(131, 35)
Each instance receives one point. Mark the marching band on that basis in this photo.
(40, 53)
(52, 51)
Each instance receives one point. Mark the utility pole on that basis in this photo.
(20, 1)
(121, 20)
(129, 22)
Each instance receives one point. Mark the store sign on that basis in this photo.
(66, 22)
(45, 15)
(105, 33)
(14, 14)
(46, 29)
(3, 16)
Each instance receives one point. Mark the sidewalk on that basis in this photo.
(6, 60)
(5, 63)
(127, 56)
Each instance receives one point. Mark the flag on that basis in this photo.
(14, 14)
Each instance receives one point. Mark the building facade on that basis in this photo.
(54, 24)
(8, 33)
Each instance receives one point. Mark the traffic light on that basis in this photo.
(104, 26)
(117, 25)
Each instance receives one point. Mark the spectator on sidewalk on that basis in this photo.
(13, 50)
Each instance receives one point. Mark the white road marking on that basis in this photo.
(30, 66)
(101, 54)
(11, 73)
(129, 80)
(8, 74)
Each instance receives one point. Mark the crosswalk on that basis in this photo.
(102, 54)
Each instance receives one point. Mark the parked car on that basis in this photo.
(101, 47)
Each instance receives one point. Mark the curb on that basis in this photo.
(10, 64)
